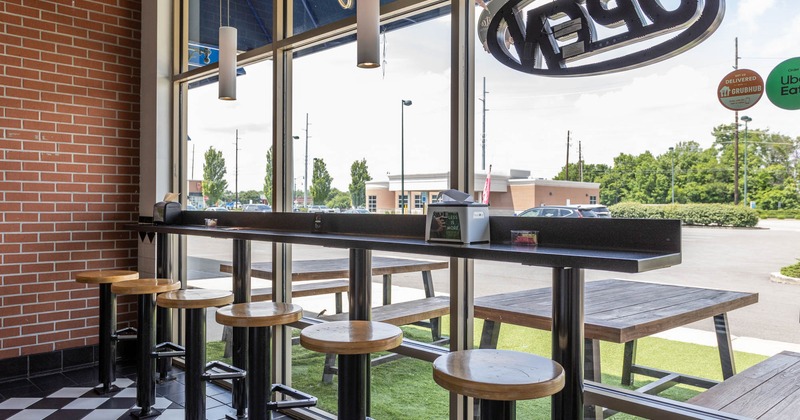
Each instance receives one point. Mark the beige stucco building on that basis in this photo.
(512, 191)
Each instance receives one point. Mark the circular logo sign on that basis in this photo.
(783, 84)
(740, 89)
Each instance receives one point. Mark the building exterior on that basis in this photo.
(511, 192)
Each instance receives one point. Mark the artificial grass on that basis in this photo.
(405, 388)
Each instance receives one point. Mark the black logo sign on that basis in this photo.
(547, 38)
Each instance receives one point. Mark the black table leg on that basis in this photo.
(259, 376)
(353, 386)
(164, 318)
(107, 344)
(568, 295)
(145, 368)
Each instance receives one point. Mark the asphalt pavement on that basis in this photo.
(713, 257)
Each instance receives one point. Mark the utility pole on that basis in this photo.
(305, 176)
(736, 138)
(580, 161)
(483, 132)
(236, 174)
(566, 167)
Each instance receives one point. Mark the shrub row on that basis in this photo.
(779, 214)
(689, 214)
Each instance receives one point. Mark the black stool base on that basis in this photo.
(498, 410)
(102, 389)
(151, 413)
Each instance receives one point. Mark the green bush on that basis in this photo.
(689, 214)
(792, 270)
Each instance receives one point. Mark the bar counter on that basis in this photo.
(566, 245)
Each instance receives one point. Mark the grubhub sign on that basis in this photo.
(551, 38)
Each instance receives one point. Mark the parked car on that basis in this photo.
(557, 211)
(216, 209)
(190, 206)
(320, 209)
(260, 208)
(357, 211)
(598, 209)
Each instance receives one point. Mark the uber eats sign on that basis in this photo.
(783, 84)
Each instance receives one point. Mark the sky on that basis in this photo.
(357, 113)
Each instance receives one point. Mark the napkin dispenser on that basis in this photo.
(456, 218)
(166, 213)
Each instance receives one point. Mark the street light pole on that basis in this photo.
(672, 158)
(403, 103)
(295, 180)
(746, 120)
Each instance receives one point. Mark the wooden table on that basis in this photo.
(767, 390)
(339, 268)
(622, 311)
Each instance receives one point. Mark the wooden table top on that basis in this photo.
(500, 375)
(767, 390)
(338, 268)
(617, 310)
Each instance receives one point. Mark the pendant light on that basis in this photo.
(227, 57)
(367, 40)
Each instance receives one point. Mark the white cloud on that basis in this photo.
(750, 10)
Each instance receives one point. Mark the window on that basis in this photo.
(592, 199)
(402, 201)
(372, 203)
(417, 201)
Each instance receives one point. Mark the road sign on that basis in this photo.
(740, 89)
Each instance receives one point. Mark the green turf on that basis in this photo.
(405, 388)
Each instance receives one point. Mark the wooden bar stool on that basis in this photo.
(498, 378)
(353, 341)
(258, 318)
(195, 301)
(108, 333)
(146, 290)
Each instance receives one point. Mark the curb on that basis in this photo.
(780, 278)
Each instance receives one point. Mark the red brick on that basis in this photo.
(9, 353)
(78, 342)
(39, 307)
(38, 166)
(38, 247)
(53, 316)
(13, 321)
(37, 268)
(38, 227)
(9, 332)
(57, 177)
(70, 304)
(55, 336)
(40, 348)
(55, 217)
(20, 341)
(19, 258)
(37, 328)
(38, 186)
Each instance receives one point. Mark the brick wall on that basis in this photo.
(69, 147)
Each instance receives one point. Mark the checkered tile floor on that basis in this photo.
(81, 402)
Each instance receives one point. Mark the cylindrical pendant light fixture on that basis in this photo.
(227, 63)
(367, 38)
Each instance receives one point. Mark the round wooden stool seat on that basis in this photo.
(500, 375)
(194, 298)
(259, 314)
(145, 286)
(351, 337)
(106, 276)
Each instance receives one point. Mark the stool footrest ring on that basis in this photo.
(228, 371)
(300, 398)
(124, 334)
(168, 349)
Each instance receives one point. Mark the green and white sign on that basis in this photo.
(783, 84)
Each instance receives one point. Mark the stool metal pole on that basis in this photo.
(145, 383)
(259, 375)
(498, 410)
(354, 372)
(241, 294)
(195, 363)
(108, 345)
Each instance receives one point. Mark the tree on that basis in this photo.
(320, 182)
(359, 175)
(339, 200)
(214, 183)
(268, 177)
